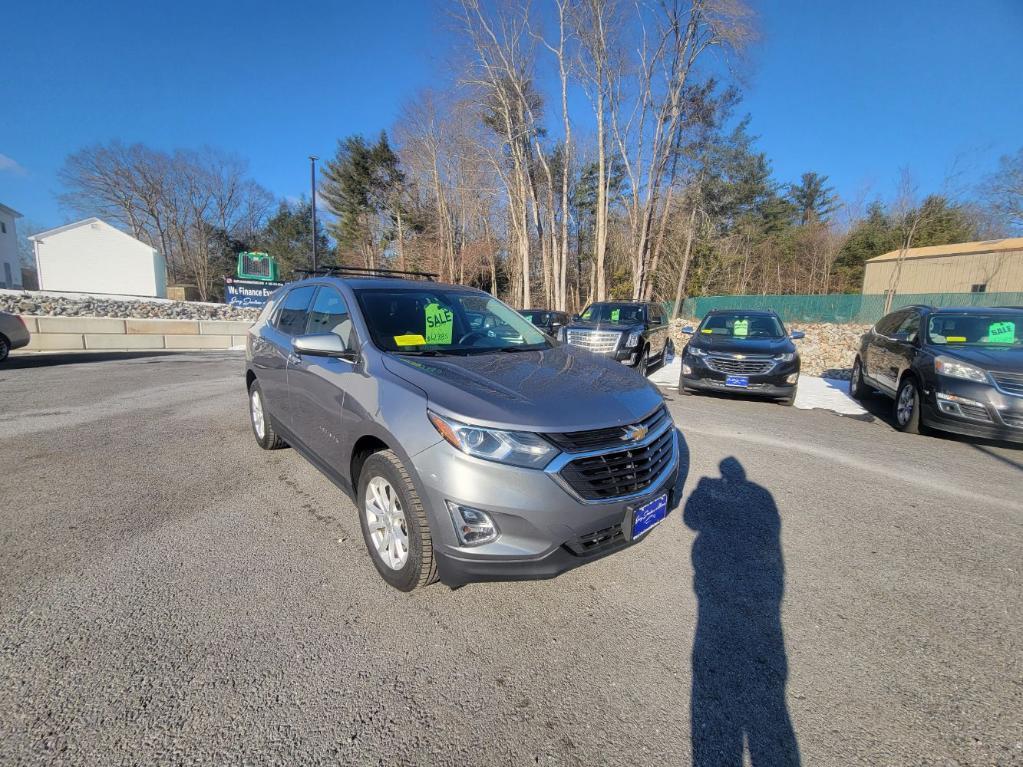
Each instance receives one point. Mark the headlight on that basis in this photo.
(786, 357)
(517, 448)
(953, 368)
(696, 351)
(632, 340)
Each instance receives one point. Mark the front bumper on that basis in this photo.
(544, 528)
(774, 383)
(973, 409)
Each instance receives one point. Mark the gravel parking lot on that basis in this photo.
(833, 591)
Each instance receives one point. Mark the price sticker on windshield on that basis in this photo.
(741, 328)
(1001, 333)
(439, 324)
(615, 314)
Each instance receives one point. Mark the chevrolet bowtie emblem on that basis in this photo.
(634, 433)
(740, 356)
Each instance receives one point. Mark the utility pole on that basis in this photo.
(312, 182)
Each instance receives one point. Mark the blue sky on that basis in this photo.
(854, 90)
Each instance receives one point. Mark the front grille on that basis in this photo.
(597, 541)
(600, 341)
(612, 436)
(1010, 383)
(733, 366)
(625, 472)
(1015, 421)
(976, 412)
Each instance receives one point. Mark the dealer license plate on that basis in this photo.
(648, 515)
(741, 381)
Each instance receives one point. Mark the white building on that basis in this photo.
(10, 263)
(92, 256)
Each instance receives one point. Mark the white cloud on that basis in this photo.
(8, 165)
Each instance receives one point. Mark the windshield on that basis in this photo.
(616, 314)
(444, 321)
(976, 329)
(740, 326)
(537, 318)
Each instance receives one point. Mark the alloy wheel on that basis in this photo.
(256, 406)
(385, 519)
(906, 403)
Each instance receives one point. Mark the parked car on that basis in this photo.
(550, 322)
(741, 352)
(13, 334)
(956, 369)
(474, 452)
(633, 333)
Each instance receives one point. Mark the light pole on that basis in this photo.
(312, 182)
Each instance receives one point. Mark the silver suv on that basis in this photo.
(475, 447)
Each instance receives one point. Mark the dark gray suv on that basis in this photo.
(476, 448)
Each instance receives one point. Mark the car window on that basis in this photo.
(537, 318)
(739, 325)
(887, 325)
(976, 328)
(270, 306)
(910, 326)
(292, 318)
(329, 314)
(615, 313)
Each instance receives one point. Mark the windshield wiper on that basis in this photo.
(524, 348)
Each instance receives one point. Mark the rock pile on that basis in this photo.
(43, 305)
(828, 349)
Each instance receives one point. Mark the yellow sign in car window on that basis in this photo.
(410, 340)
(740, 328)
(439, 324)
(1001, 333)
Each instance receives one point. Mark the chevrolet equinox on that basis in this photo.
(475, 447)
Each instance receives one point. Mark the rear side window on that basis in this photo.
(887, 325)
(910, 325)
(292, 319)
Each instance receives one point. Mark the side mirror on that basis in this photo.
(688, 330)
(322, 345)
(795, 335)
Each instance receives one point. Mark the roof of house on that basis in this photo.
(9, 211)
(40, 236)
(956, 249)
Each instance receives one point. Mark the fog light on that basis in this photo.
(792, 378)
(686, 370)
(472, 526)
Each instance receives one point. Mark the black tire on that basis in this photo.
(857, 386)
(683, 390)
(270, 439)
(789, 400)
(668, 351)
(908, 420)
(643, 363)
(5, 347)
(420, 567)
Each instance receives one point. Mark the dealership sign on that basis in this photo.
(248, 293)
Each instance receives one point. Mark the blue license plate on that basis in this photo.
(648, 515)
(740, 381)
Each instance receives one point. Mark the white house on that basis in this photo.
(91, 256)
(10, 263)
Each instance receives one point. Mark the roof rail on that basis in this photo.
(356, 271)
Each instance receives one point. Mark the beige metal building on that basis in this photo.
(991, 266)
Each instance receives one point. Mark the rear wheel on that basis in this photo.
(643, 363)
(5, 347)
(907, 406)
(669, 353)
(394, 523)
(262, 425)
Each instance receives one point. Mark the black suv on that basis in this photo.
(634, 333)
(958, 369)
(741, 352)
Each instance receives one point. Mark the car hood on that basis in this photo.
(617, 328)
(1007, 360)
(730, 345)
(556, 389)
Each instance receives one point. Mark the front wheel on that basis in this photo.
(907, 406)
(394, 523)
(5, 347)
(643, 363)
(262, 425)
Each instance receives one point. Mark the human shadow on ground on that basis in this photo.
(739, 662)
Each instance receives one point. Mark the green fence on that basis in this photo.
(842, 307)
